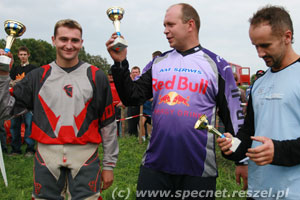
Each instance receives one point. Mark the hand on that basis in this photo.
(241, 171)
(3, 67)
(117, 56)
(263, 154)
(225, 143)
(120, 104)
(107, 177)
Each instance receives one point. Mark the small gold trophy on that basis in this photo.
(202, 123)
(116, 14)
(13, 29)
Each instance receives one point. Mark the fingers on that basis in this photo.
(106, 185)
(111, 40)
(262, 154)
(107, 179)
(225, 143)
(237, 178)
(245, 183)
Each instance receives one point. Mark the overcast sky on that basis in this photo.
(224, 25)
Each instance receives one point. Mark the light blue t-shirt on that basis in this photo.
(276, 105)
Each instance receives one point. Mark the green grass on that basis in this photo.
(19, 174)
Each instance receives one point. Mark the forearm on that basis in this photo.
(244, 134)
(110, 146)
(131, 93)
(287, 152)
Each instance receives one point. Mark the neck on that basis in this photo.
(66, 63)
(190, 43)
(25, 63)
(290, 57)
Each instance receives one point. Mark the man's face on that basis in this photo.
(68, 43)
(175, 29)
(23, 56)
(134, 73)
(269, 47)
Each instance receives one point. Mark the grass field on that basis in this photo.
(19, 173)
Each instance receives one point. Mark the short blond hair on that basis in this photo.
(70, 23)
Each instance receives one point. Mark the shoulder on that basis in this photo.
(220, 61)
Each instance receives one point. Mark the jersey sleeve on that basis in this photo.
(228, 99)
(6, 100)
(132, 93)
(107, 124)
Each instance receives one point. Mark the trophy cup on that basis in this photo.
(13, 29)
(202, 123)
(116, 14)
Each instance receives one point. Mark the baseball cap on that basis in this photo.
(259, 73)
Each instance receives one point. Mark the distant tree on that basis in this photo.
(42, 53)
(252, 79)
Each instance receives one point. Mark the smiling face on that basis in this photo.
(175, 30)
(68, 43)
(269, 46)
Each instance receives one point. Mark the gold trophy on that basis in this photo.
(13, 29)
(116, 14)
(202, 123)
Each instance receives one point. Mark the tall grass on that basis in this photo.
(19, 173)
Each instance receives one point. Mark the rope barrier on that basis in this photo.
(134, 116)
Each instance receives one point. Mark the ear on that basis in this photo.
(191, 24)
(53, 40)
(288, 37)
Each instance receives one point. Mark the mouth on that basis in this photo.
(169, 39)
(267, 59)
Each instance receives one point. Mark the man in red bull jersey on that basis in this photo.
(185, 82)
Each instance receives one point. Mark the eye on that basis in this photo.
(63, 39)
(75, 40)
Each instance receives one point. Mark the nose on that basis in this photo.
(166, 31)
(69, 44)
(261, 53)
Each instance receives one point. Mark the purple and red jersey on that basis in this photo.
(184, 86)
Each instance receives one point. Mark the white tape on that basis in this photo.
(5, 59)
(235, 144)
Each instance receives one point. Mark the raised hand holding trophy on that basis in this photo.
(116, 14)
(202, 123)
(13, 29)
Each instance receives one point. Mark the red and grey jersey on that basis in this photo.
(68, 107)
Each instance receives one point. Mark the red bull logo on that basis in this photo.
(181, 83)
(173, 98)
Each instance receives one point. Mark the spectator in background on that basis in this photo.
(146, 119)
(116, 100)
(242, 93)
(17, 73)
(133, 110)
(147, 106)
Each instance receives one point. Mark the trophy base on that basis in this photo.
(4, 63)
(235, 144)
(119, 44)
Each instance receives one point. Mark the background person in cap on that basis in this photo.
(258, 74)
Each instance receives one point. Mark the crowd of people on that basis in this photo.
(175, 88)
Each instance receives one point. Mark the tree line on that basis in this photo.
(42, 53)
